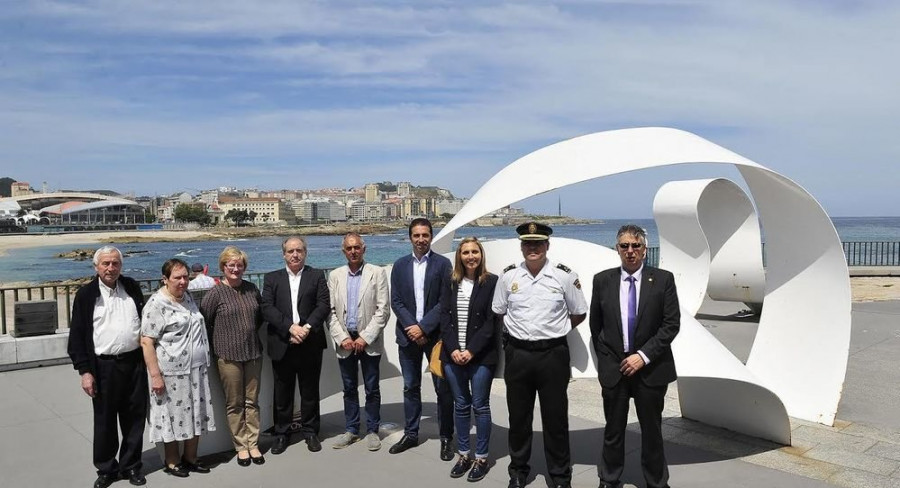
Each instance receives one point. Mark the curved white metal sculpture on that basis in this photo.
(710, 240)
(799, 357)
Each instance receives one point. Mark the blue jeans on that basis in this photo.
(466, 400)
(350, 375)
(411, 367)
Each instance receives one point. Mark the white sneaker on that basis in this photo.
(373, 443)
(345, 440)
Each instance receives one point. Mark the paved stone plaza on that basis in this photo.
(45, 433)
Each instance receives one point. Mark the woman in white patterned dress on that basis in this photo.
(176, 350)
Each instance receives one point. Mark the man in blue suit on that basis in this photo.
(420, 282)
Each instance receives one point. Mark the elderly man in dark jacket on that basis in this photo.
(104, 344)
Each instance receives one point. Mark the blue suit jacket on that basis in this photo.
(403, 295)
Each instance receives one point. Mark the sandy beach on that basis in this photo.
(23, 241)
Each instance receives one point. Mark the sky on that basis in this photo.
(157, 96)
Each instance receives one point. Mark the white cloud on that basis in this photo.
(373, 86)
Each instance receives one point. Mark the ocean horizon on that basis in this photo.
(143, 260)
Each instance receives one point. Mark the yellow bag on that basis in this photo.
(434, 361)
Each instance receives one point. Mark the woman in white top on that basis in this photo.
(176, 350)
(470, 354)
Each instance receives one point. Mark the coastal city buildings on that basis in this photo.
(370, 203)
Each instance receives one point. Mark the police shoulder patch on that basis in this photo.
(509, 268)
(564, 268)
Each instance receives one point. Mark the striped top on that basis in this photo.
(233, 315)
(462, 310)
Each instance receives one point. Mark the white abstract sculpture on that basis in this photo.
(799, 357)
(710, 240)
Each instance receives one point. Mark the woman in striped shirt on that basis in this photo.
(470, 354)
(232, 313)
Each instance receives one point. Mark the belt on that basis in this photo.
(125, 356)
(538, 345)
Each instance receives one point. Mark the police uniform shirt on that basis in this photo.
(538, 307)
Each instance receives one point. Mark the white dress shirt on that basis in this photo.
(117, 326)
(419, 268)
(623, 305)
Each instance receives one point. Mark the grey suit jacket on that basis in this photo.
(372, 313)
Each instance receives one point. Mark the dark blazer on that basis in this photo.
(81, 330)
(482, 326)
(313, 306)
(403, 295)
(658, 322)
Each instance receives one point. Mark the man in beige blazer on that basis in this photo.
(360, 308)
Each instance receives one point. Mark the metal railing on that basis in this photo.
(872, 253)
(862, 253)
(64, 294)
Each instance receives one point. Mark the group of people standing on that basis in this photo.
(124, 347)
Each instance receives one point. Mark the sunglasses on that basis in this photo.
(634, 245)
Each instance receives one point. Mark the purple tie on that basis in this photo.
(632, 312)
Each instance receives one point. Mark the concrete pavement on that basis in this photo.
(45, 433)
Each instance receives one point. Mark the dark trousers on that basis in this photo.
(300, 365)
(545, 373)
(411, 368)
(350, 367)
(648, 401)
(122, 397)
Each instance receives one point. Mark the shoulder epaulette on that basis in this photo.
(509, 268)
(564, 268)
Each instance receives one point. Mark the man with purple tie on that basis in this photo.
(634, 318)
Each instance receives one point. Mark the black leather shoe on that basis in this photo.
(258, 460)
(313, 444)
(135, 477)
(565, 484)
(281, 443)
(461, 467)
(406, 442)
(105, 480)
(446, 450)
(479, 470)
(516, 482)
(178, 471)
(195, 467)
(243, 461)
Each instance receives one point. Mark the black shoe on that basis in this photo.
(195, 467)
(281, 443)
(479, 470)
(604, 484)
(178, 471)
(516, 482)
(258, 460)
(243, 461)
(563, 484)
(446, 450)
(135, 477)
(406, 442)
(461, 467)
(105, 480)
(313, 444)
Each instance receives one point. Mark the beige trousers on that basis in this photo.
(240, 382)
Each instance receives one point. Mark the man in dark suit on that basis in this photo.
(420, 282)
(104, 344)
(634, 318)
(295, 304)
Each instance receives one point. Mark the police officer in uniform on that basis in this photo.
(538, 300)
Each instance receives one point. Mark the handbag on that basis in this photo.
(435, 365)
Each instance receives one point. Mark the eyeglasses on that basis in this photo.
(234, 267)
(634, 245)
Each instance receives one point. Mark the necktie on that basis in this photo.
(632, 312)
